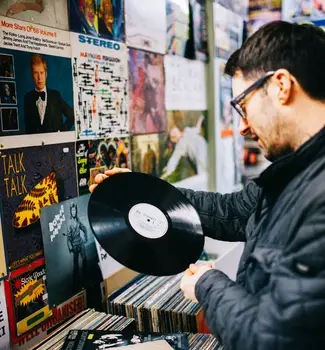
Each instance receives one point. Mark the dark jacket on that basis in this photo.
(53, 119)
(278, 300)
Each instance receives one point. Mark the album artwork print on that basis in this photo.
(96, 156)
(70, 252)
(185, 152)
(50, 13)
(35, 81)
(32, 178)
(100, 86)
(103, 18)
(147, 92)
(26, 295)
(145, 25)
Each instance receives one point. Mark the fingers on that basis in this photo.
(115, 171)
(92, 187)
(100, 178)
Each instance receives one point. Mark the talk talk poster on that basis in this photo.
(32, 178)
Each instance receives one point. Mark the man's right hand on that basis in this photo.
(101, 177)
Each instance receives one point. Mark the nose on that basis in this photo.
(244, 128)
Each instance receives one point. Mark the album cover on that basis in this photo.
(70, 252)
(96, 156)
(228, 31)
(145, 25)
(299, 11)
(26, 295)
(35, 83)
(103, 18)
(147, 92)
(100, 87)
(185, 153)
(93, 339)
(146, 153)
(51, 13)
(178, 26)
(240, 7)
(32, 178)
(200, 29)
(185, 84)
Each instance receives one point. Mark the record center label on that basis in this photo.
(148, 221)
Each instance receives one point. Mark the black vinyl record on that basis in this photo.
(146, 224)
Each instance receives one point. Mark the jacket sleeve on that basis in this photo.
(224, 216)
(288, 313)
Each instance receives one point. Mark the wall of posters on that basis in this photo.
(147, 92)
(100, 87)
(96, 156)
(104, 18)
(145, 25)
(185, 84)
(70, 252)
(45, 12)
(35, 83)
(32, 178)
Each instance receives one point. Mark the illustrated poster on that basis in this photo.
(178, 27)
(103, 18)
(100, 87)
(46, 12)
(185, 84)
(147, 92)
(145, 25)
(70, 252)
(32, 178)
(96, 156)
(26, 296)
(35, 84)
(228, 31)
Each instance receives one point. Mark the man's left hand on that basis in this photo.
(191, 276)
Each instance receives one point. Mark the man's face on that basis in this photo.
(264, 122)
(39, 75)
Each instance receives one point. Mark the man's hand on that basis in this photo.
(101, 177)
(191, 276)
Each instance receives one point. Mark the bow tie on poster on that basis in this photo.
(40, 94)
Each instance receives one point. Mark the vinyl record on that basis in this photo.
(146, 224)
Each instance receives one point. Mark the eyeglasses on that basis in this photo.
(258, 83)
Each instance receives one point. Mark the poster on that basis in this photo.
(31, 178)
(200, 29)
(35, 84)
(96, 156)
(103, 18)
(303, 10)
(146, 153)
(240, 7)
(185, 84)
(147, 92)
(261, 12)
(26, 296)
(229, 143)
(228, 31)
(4, 325)
(145, 25)
(46, 12)
(178, 27)
(100, 87)
(70, 252)
(186, 151)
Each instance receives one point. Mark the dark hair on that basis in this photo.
(299, 48)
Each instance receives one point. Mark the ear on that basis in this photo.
(284, 82)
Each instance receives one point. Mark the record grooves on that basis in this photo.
(145, 223)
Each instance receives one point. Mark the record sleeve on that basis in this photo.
(146, 224)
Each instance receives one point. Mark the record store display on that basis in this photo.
(158, 305)
(146, 224)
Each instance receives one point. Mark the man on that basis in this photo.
(278, 299)
(44, 108)
(7, 97)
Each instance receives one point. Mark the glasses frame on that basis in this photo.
(257, 84)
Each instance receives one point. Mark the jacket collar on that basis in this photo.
(281, 171)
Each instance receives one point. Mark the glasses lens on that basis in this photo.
(240, 110)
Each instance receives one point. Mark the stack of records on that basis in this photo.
(158, 305)
(88, 319)
(203, 342)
